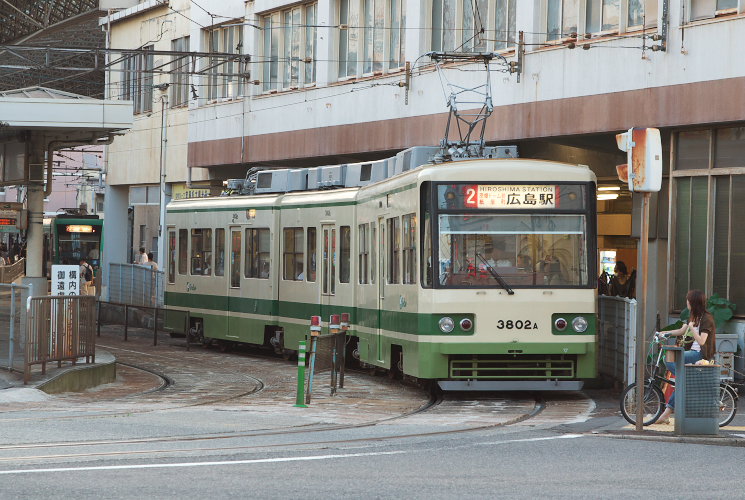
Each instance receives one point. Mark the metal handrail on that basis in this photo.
(11, 272)
(59, 328)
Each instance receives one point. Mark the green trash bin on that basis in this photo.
(701, 395)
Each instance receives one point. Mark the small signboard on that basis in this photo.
(511, 196)
(65, 280)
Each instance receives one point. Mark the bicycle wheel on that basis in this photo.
(654, 403)
(727, 405)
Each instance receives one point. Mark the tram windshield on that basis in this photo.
(525, 250)
(77, 241)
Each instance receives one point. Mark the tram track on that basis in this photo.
(429, 406)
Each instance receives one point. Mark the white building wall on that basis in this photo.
(706, 51)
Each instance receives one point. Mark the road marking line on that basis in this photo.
(200, 464)
(528, 440)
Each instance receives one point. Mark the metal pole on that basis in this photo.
(155, 328)
(12, 324)
(126, 321)
(642, 301)
(313, 345)
(333, 366)
(98, 318)
(300, 398)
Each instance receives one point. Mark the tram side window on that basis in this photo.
(219, 252)
(257, 253)
(364, 253)
(172, 256)
(311, 275)
(409, 248)
(183, 242)
(394, 248)
(373, 254)
(293, 254)
(201, 252)
(235, 259)
(345, 250)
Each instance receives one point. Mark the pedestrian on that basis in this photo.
(87, 286)
(703, 330)
(4, 254)
(141, 258)
(622, 284)
(151, 262)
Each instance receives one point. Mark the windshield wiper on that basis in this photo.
(496, 275)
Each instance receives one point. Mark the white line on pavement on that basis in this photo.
(527, 440)
(200, 464)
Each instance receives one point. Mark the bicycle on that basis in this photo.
(654, 399)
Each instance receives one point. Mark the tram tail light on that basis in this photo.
(345, 320)
(560, 324)
(466, 324)
(334, 321)
(315, 323)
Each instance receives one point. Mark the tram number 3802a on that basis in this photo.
(516, 325)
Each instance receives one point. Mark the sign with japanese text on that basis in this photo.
(65, 280)
(511, 196)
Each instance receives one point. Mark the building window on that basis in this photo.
(409, 248)
(561, 18)
(364, 253)
(707, 238)
(345, 253)
(183, 242)
(180, 66)
(394, 248)
(397, 45)
(602, 15)
(201, 252)
(137, 80)
(289, 47)
(223, 78)
(373, 38)
(257, 253)
(311, 253)
(219, 252)
(642, 13)
(374, 32)
(293, 254)
(457, 25)
(706, 9)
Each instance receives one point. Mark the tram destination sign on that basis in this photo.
(511, 196)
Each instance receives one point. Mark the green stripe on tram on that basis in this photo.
(397, 321)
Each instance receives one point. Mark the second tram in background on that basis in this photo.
(476, 274)
(70, 237)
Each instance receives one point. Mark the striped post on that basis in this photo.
(300, 399)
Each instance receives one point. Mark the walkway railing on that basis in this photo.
(616, 337)
(135, 285)
(10, 273)
(13, 325)
(59, 328)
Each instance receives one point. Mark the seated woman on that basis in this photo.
(703, 328)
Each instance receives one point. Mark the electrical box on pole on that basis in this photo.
(643, 148)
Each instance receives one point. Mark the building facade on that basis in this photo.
(332, 81)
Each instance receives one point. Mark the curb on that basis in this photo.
(651, 436)
(80, 378)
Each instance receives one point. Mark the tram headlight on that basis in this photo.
(560, 324)
(579, 324)
(466, 324)
(446, 324)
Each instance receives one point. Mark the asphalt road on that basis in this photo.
(225, 427)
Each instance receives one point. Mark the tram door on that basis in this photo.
(381, 267)
(328, 268)
(234, 280)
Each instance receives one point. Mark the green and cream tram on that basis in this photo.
(477, 274)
